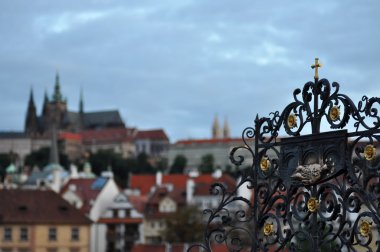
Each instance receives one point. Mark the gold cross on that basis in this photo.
(315, 66)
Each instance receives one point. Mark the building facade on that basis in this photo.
(41, 221)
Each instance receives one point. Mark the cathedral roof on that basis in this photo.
(157, 134)
(102, 119)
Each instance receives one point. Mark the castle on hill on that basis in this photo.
(55, 112)
(79, 132)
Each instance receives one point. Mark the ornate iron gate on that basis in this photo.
(315, 192)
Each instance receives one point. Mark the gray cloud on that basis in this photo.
(175, 64)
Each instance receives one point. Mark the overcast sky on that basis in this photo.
(175, 64)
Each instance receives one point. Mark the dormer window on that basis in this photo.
(23, 208)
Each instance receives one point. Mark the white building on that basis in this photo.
(92, 197)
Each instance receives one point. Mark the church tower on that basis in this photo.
(226, 129)
(55, 108)
(31, 122)
(216, 132)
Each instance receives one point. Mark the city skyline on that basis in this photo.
(176, 64)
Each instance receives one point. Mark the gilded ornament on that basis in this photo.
(365, 228)
(315, 67)
(264, 164)
(268, 229)
(292, 121)
(370, 152)
(312, 173)
(312, 205)
(334, 113)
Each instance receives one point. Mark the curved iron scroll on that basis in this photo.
(338, 208)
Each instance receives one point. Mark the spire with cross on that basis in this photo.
(315, 67)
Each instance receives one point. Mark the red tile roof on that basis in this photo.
(145, 182)
(178, 195)
(38, 207)
(138, 202)
(209, 141)
(148, 248)
(108, 135)
(70, 136)
(84, 191)
(142, 182)
(204, 181)
(156, 134)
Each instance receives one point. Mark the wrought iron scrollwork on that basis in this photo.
(316, 192)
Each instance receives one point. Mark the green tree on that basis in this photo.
(102, 159)
(41, 158)
(207, 163)
(184, 226)
(161, 164)
(143, 165)
(179, 164)
(5, 160)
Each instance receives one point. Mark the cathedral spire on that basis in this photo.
(31, 98)
(81, 106)
(31, 125)
(57, 96)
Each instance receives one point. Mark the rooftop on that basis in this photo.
(37, 207)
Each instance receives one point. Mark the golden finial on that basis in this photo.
(316, 66)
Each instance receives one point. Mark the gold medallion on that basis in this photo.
(334, 114)
(264, 164)
(292, 121)
(365, 228)
(312, 205)
(268, 229)
(369, 152)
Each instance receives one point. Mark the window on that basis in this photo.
(52, 234)
(115, 213)
(7, 234)
(75, 234)
(23, 234)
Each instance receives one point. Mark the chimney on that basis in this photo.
(74, 171)
(217, 174)
(189, 190)
(56, 183)
(158, 178)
